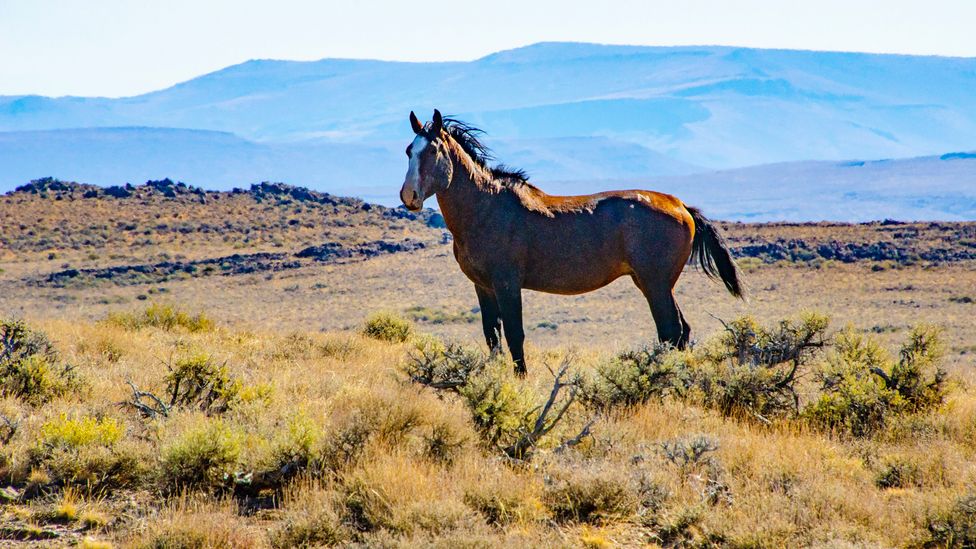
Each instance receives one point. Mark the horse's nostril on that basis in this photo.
(415, 196)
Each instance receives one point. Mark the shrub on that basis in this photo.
(312, 524)
(387, 327)
(590, 495)
(86, 451)
(203, 457)
(199, 382)
(750, 371)
(955, 527)
(898, 473)
(164, 317)
(441, 316)
(499, 408)
(443, 445)
(444, 366)
(502, 506)
(30, 367)
(753, 370)
(81, 432)
(635, 377)
(862, 388)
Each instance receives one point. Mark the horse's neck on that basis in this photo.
(467, 201)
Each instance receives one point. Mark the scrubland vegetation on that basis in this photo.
(166, 428)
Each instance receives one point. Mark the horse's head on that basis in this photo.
(430, 168)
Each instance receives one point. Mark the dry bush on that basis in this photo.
(30, 366)
(506, 499)
(164, 317)
(591, 493)
(312, 518)
(387, 327)
(198, 524)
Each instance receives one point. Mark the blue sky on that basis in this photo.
(126, 47)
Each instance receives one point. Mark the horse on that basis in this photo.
(509, 235)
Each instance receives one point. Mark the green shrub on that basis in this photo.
(199, 382)
(87, 451)
(499, 408)
(862, 388)
(441, 316)
(635, 377)
(30, 367)
(80, 432)
(203, 457)
(164, 317)
(444, 366)
(387, 327)
(750, 371)
(955, 527)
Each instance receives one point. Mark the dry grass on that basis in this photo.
(279, 423)
(327, 447)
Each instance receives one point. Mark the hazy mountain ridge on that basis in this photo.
(566, 112)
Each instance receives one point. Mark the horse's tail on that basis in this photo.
(711, 252)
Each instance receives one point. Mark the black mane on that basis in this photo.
(469, 138)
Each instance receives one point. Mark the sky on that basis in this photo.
(119, 48)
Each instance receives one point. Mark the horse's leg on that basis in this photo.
(509, 296)
(665, 311)
(490, 321)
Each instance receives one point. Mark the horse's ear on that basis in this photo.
(415, 124)
(438, 123)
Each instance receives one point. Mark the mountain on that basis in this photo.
(924, 188)
(563, 111)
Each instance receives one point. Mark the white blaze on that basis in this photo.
(413, 170)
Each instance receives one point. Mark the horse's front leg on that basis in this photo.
(508, 294)
(491, 322)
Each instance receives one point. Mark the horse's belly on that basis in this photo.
(572, 282)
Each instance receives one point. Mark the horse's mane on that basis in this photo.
(469, 138)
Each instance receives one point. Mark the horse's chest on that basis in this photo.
(474, 263)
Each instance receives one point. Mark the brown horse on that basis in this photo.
(509, 235)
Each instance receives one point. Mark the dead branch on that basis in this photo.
(152, 409)
(585, 432)
(543, 424)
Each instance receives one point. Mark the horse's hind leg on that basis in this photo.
(667, 317)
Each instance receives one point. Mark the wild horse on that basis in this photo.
(509, 235)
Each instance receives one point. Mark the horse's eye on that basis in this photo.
(409, 148)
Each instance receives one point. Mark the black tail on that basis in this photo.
(711, 252)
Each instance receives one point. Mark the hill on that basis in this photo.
(564, 111)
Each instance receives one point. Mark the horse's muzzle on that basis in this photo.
(411, 199)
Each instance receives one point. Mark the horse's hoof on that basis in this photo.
(521, 371)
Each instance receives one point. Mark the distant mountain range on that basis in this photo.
(576, 116)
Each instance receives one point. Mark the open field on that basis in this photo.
(306, 432)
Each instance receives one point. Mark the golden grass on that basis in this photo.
(339, 405)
